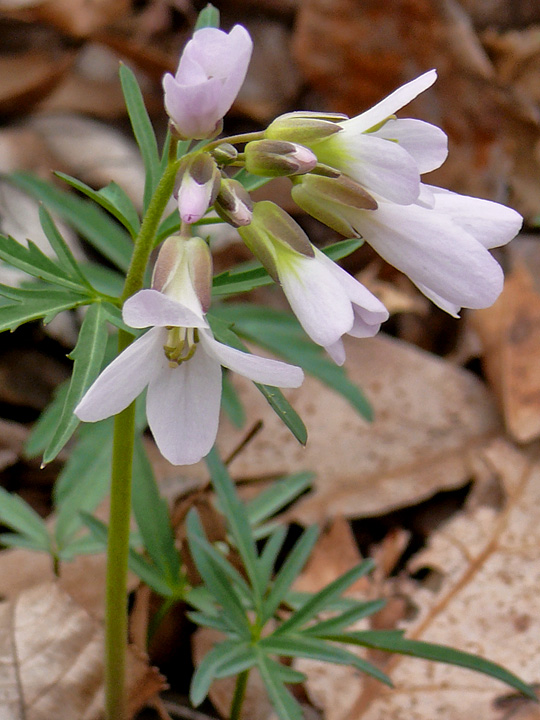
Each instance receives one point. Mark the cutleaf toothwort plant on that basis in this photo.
(359, 176)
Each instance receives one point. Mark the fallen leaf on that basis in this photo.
(81, 17)
(430, 419)
(51, 651)
(485, 601)
(510, 335)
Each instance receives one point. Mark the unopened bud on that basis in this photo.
(304, 127)
(233, 203)
(272, 235)
(328, 199)
(198, 187)
(225, 154)
(183, 271)
(274, 158)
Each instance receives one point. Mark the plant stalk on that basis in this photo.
(239, 695)
(116, 615)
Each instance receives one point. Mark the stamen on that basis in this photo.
(180, 345)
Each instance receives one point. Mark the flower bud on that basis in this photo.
(225, 154)
(273, 236)
(327, 199)
(211, 71)
(198, 187)
(233, 203)
(304, 127)
(273, 158)
(183, 271)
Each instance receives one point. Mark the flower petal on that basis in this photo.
(318, 299)
(433, 252)
(427, 143)
(379, 166)
(182, 407)
(391, 104)
(337, 352)
(150, 307)
(491, 223)
(124, 379)
(258, 369)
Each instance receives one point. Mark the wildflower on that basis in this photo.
(272, 158)
(383, 154)
(199, 185)
(178, 359)
(327, 301)
(441, 242)
(210, 74)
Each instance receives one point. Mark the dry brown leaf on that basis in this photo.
(12, 439)
(51, 652)
(486, 601)
(354, 53)
(81, 17)
(430, 417)
(510, 334)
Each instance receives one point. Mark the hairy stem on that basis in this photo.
(116, 616)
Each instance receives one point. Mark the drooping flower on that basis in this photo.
(327, 301)
(178, 360)
(199, 186)
(383, 154)
(441, 241)
(210, 74)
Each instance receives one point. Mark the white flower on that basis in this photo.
(441, 242)
(180, 362)
(384, 154)
(210, 74)
(327, 301)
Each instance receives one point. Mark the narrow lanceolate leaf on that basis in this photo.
(44, 428)
(142, 130)
(111, 198)
(397, 643)
(61, 248)
(152, 517)
(19, 516)
(35, 263)
(88, 357)
(95, 225)
(208, 17)
(219, 655)
(340, 622)
(35, 305)
(282, 492)
(284, 704)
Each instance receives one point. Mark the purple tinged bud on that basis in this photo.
(211, 71)
(225, 154)
(183, 272)
(199, 186)
(233, 203)
(304, 127)
(274, 158)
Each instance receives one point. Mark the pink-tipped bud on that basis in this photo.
(198, 187)
(274, 158)
(304, 127)
(233, 203)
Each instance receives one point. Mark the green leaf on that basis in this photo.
(231, 403)
(320, 600)
(338, 624)
(111, 198)
(236, 516)
(289, 571)
(282, 492)
(152, 516)
(86, 545)
(215, 622)
(22, 541)
(316, 649)
(142, 130)
(286, 673)
(46, 424)
(249, 181)
(284, 704)
(395, 642)
(35, 263)
(35, 305)
(61, 248)
(18, 515)
(342, 248)
(269, 554)
(88, 357)
(216, 579)
(208, 17)
(221, 654)
(100, 230)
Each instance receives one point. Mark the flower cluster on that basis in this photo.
(359, 176)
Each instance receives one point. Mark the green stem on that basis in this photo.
(116, 615)
(239, 695)
(236, 139)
